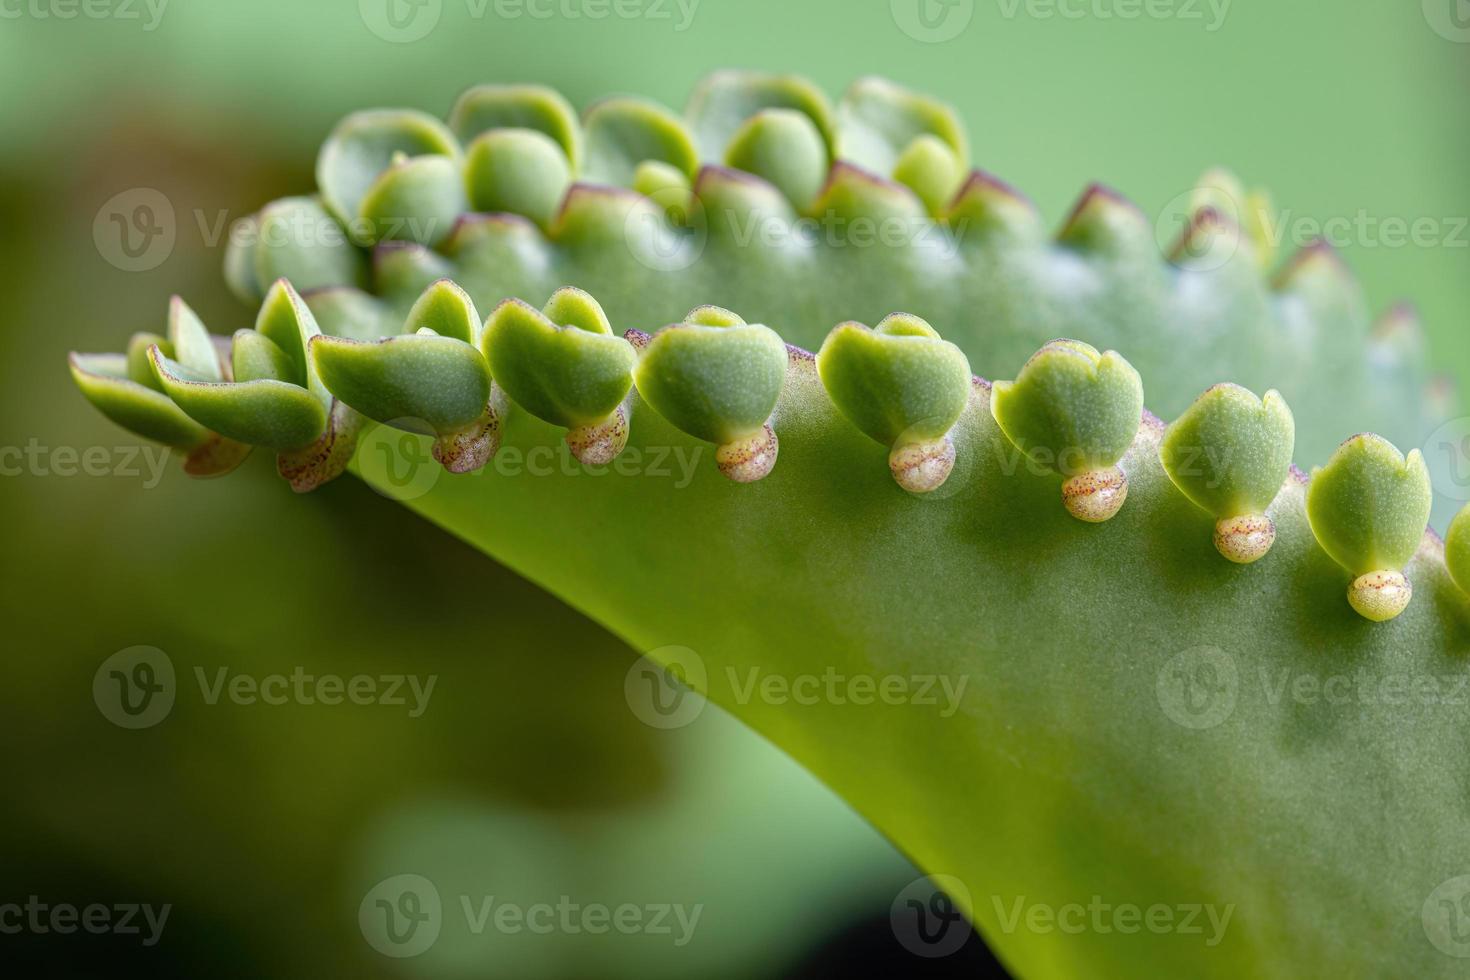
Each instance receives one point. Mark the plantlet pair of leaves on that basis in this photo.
(718, 378)
(1075, 412)
(273, 398)
(561, 363)
(126, 388)
(713, 375)
(1230, 453)
(905, 388)
(179, 391)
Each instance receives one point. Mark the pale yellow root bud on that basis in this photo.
(599, 443)
(1096, 496)
(1380, 596)
(1246, 538)
(750, 459)
(920, 467)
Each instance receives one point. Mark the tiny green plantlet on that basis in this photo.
(564, 366)
(718, 378)
(1368, 507)
(1075, 412)
(903, 386)
(273, 397)
(1230, 453)
(1123, 732)
(430, 379)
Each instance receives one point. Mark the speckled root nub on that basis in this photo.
(216, 456)
(1380, 596)
(1246, 538)
(920, 467)
(1095, 496)
(599, 443)
(327, 458)
(470, 449)
(749, 459)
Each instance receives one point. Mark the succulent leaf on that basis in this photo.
(667, 186)
(955, 587)
(286, 320)
(446, 310)
(1105, 224)
(376, 165)
(903, 386)
(784, 147)
(987, 209)
(139, 369)
(881, 122)
(1071, 409)
(440, 382)
(485, 108)
(276, 414)
(1369, 505)
(190, 343)
(896, 381)
(255, 357)
(1457, 549)
(717, 381)
(521, 171)
(1043, 731)
(417, 199)
(430, 379)
(145, 411)
(1230, 452)
(721, 104)
(345, 312)
(854, 195)
(562, 364)
(622, 133)
(1221, 192)
(930, 168)
(294, 238)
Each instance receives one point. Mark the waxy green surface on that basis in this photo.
(1143, 722)
(1133, 726)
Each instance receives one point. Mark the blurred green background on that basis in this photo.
(528, 777)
